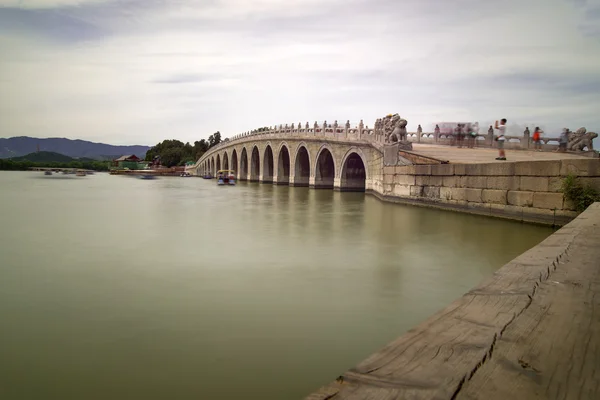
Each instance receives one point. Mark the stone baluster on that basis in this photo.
(361, 126)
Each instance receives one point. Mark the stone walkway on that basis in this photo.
(483, 155)
(551, 350)
(531, 331)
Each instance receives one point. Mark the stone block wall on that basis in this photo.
(526, 191)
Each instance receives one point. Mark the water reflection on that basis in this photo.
(172, 287)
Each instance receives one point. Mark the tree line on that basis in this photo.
(12, 165)
(171, 153)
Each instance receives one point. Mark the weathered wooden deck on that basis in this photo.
(531, 331)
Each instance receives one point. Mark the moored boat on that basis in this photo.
(47, 172)
(80, 173)
(226, 177)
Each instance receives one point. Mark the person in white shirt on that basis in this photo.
(501, 138)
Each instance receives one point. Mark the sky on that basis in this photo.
(141, 71)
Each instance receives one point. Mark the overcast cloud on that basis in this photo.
(140, 71)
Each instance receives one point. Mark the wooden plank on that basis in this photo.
(435, 359)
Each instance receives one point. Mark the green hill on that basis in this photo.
(45, 157)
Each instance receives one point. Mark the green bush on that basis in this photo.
(582, 196)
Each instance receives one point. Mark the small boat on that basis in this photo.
(185, 174)
(147, 176)
(226, 177)
(207, 176)
(80, 173)
(47, 172)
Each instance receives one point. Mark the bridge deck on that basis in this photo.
(532, 331)
(481, 155)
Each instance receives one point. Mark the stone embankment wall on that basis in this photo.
(527, 191)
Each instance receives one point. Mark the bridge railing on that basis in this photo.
(483, 140)
(358, 132)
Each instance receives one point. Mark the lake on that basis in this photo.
(113, 287)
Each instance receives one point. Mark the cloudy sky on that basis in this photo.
(140, 71)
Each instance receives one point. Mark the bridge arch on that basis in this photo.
(353, 175)
(212, 166)
(225, 161)
(267, 169)
(325, 168)
(255, 165)
(302, 166)
(234, 162)
(283, 164)
(243, 165)
(218, 162)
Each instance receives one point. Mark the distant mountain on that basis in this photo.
(24, 145)
(44, 156)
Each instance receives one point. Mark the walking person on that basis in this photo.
(563, 140)
(501, 138)
(472, 130)
(460, 135)
(537, 138)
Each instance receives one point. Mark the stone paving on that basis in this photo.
(465, 155)
(530, 331)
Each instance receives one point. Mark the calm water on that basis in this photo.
(118, 288)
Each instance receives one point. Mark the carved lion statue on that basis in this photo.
(581, 139)
(392, 127)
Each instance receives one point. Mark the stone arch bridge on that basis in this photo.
(347, 159)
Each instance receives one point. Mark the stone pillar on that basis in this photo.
(490, 138)
(390, 154)
(361, 126)
(526, 138)
(419, 133)
(337, 184)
